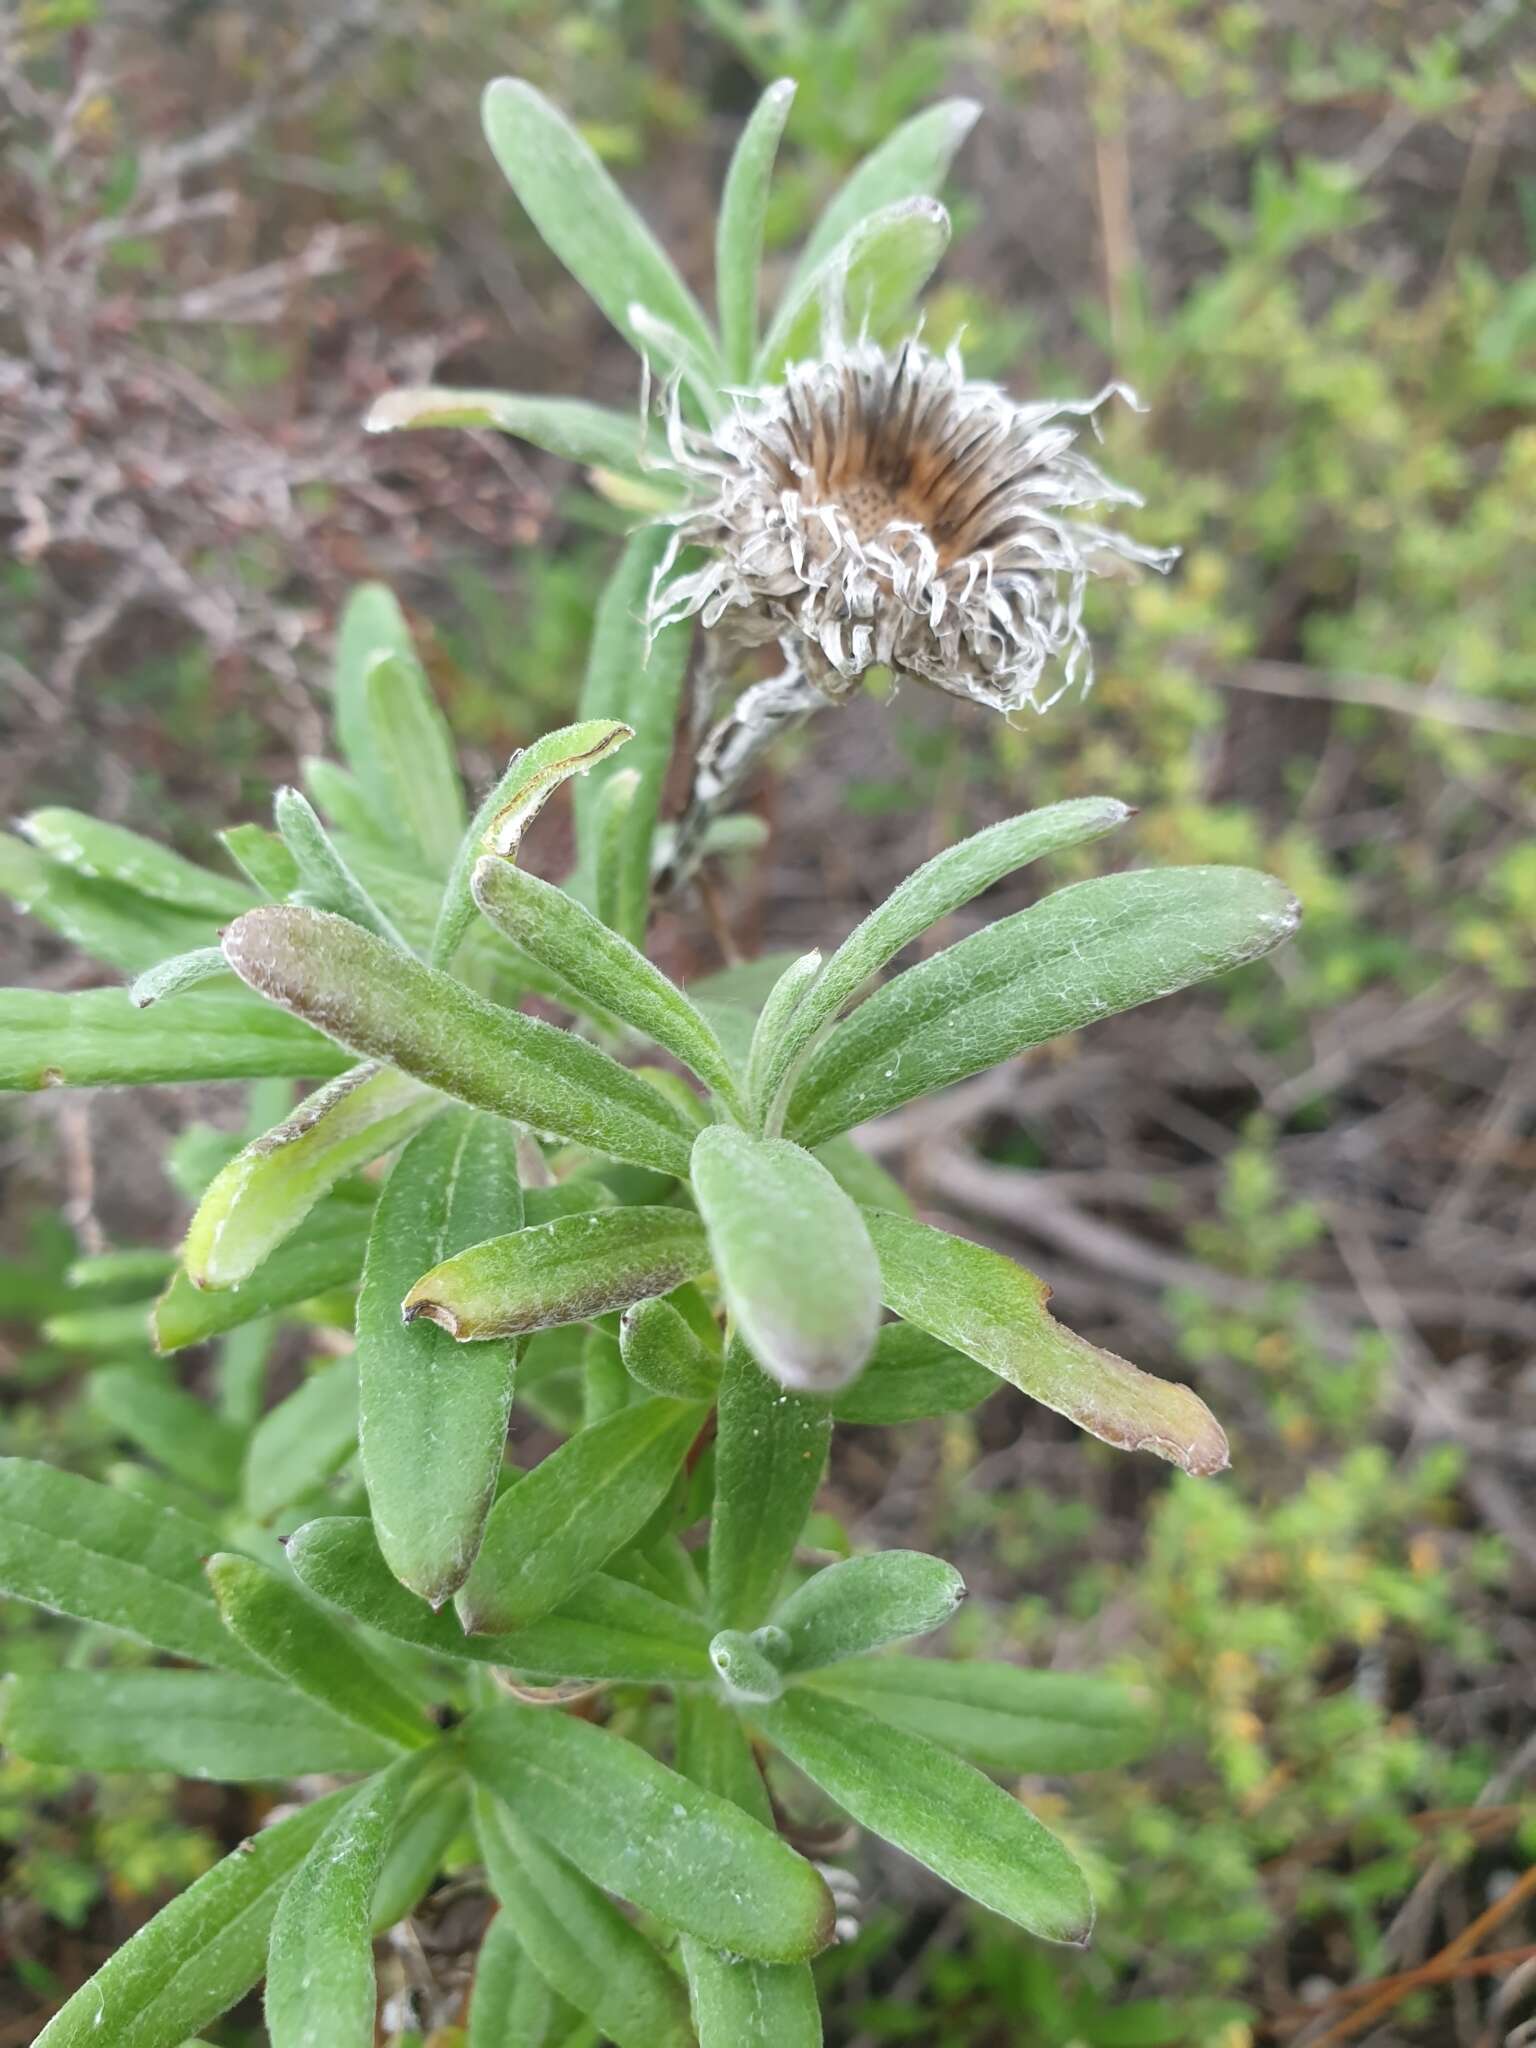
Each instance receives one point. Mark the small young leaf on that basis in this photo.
(300, 1644)
(297, 1445)
(771, 1450)
(109, 853)
(556, 1525)
(199, 1724)
(327, 1254)
(871, 276)
(590, 434)
(560, 934)
(321, 1991)
(97, 1038)
(910, 1377)
(565, 1271)
(326, 882)
(940, 1810)
(388, 1007)
(1085, 953)
(181, 971)
(862, 1604)
(773, 1030)
(582, 215)
(414, 756)
(267, 1190)
(580, 1942)
(434, 1414)
(913, 160)
(636, 1828)
(199, 1954)
(512, 2005)
(531, 777)
(104, 1557)
(606, 1629)
(996, 1313)
(176, 1429)
(999, 1715)
(262, 857)
(934, 891)
(744, 1666)
(371, 624)
(739, 236)
(794, 1260)
(664, 1355)
(126, 1274)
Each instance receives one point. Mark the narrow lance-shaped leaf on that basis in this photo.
(912, 161)
(326, 882)
(939, 887)
(872, 275)
(327, 1254)
(910, 1377)
(262, 857)
(794, 1260)
(582, 1944)
(267, 1190)
(110, 853)
(996, 1313)
(181, 971)
(860, 1605)
(530, 778)
(300, 1643)
(563, 1271)
(300, 1442)
(581, 213)
(636, 1828)
(773, 1030)
(606, 1629)
(386, 1006)
(556, 1525)
(102, 1556)
(967, 1830)
(321, 1991)
(569, 427)
(371, 624)
(129, 932)
(414, 757)
(1085, 953)
(98, 1039)
(557, 931)
(512, 2004)
(769, 1457)
(434, 1414)
(739, 235)
(185, 1435)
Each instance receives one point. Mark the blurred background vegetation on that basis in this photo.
(1304, 232)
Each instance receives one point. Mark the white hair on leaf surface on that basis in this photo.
(882, 509)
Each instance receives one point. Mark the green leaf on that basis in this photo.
(1085, 953)
(769, 1458)
(638, 679)
(326, 882)
(175, 1428)
(181, 971)
(862, 1604)
(267, 1190)
(738, 2003)
(607, 1629)
(1000, 1715)
(590, 434)
(262, 856)
(664, 1355)
(554, 929)
(434, 1414)
(582, 215)
(414, 757)
(937, 1808)
(564, 1271)
(746, 1670)
(342, 801)
(580, 1942)
(869, 279)
(115, 1331)
(512, 2005)
(371, 624)
(636, 1828)
(125, 1274)
(794, 1260)
(388, 1007)
(298, 1444)
(199, 1724)
(530, 778)
(773, 1028)
(199, 1954)
(910, 1377)
(327, 1255)
(739, 236)
(435, 1816)
(109, 853)
(111, 923)
(300, 1643)
(97, 1038)
(557, 1524)
(995, 1312)
(911, 162)
(102, 1556)
(934, 891)
(321, 1991)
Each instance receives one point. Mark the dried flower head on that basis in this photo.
(879, 508)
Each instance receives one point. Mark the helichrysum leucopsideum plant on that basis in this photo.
(606, 1664)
